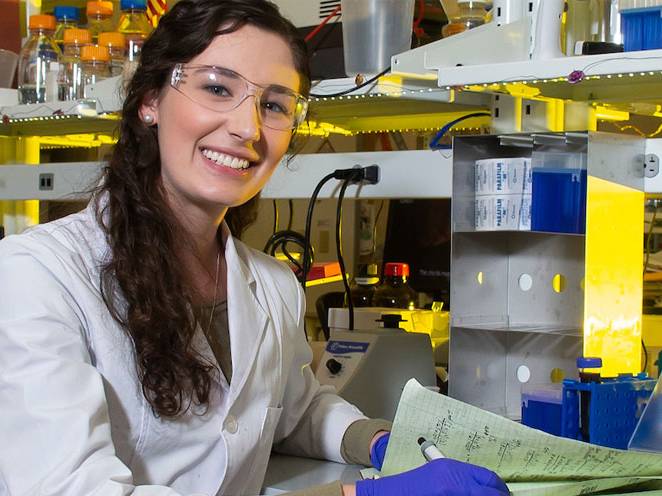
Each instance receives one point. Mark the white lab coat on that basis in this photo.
(73, 419)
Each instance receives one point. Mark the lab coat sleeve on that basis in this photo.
(54, 422)
(314, 417)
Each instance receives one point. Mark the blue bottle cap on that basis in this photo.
(589, 363)
(133, 4)
(66, 12)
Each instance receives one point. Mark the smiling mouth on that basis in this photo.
(226, 160)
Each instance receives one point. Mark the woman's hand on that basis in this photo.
(443, 477)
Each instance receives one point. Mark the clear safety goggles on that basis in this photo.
(222, 90)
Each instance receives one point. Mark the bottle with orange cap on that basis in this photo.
(115, 42)
(70, 85)
(99, 17)
(38, 54)
(95, 62)
(394, 291)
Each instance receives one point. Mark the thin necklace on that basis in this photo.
(213, 305)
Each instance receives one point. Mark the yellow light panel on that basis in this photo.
(613, 285)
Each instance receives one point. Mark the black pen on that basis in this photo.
(429, 450)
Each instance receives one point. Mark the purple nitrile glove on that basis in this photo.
(443, 477)
(378, 451)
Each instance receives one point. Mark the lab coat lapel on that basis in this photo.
(247, 318)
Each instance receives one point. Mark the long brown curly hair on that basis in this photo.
(155, 307)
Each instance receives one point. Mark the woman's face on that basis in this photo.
(198, 146)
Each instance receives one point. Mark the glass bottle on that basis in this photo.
(71, 78)
(395, 292)
(66, 17)
(34, 63)
(365, 283)
(99, 18)
(135, 27)
(95, 61)
(115, 42)
(466, 14)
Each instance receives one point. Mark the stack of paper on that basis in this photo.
(533, 462)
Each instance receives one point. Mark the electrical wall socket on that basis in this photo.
(651, 165)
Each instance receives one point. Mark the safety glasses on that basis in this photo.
(221, 90)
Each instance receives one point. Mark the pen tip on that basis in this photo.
(421, 440)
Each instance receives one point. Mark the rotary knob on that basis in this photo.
(333, 365)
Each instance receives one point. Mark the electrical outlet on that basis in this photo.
(651, 165)
(46, 181)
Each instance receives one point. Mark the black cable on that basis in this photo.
(341, 261)
(275, 228)
(309, 219)
(357, 87)
(279, 242)
(290, 204)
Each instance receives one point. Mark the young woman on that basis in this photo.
(143, 348)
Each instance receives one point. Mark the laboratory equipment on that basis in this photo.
(525, 305)
(67, 17)
(70, 78)
(373, 31)
(593, 26)
(95, 65)
(135, 27)
(647, 435)
(394, 291)
(38, 58)
(116, 44)
(609, 419)
(615, 408)
(99, 17)
(370, 365)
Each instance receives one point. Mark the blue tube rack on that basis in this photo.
(616, 405)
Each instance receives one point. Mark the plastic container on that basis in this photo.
(395, 292)
(95, 61)
(70, 83)
(116, 44)
(642, 28)
(34, 64)
(135, 27)
(542, 406)
(67, 17)
(99, 18)
(373, 31)
(558, 202)
(364, 286)
(463, 15)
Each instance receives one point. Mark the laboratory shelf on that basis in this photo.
(535, 328)
(604, 78)
(96, 114)
(392, 103)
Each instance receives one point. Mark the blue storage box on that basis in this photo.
(642, 28)
(541, 407)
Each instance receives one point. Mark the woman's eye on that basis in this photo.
(275, 107)
(217, 90)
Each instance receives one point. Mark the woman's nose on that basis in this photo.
(245, 121)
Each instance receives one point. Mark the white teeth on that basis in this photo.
(226, 160)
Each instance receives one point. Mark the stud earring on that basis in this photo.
(148, 119)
